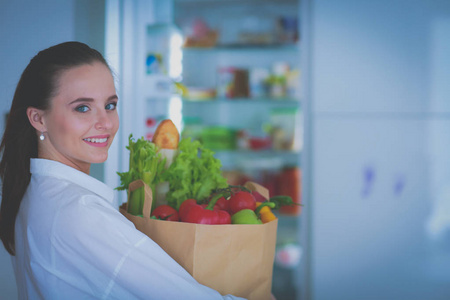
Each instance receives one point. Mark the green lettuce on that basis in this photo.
(194, 174)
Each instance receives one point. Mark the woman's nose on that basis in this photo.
(103, 121)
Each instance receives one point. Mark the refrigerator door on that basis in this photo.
(380, 223)
(377, 157)
(379, 56)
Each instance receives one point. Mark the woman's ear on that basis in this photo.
(35, 116)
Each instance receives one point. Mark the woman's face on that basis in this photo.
(82, 120)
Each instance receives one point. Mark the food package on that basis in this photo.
(232, 259)
(233, 83)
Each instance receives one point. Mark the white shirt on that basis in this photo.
(71, 243)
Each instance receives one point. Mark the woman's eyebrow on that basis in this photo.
(82, 100)
(113, 97)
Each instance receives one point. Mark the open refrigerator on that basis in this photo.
(375, 162)
(228, 74)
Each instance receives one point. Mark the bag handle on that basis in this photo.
(148, 196)
(253, 186)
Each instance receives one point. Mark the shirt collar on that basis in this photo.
(56, 169)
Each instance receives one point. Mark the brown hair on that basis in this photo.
(36, 87)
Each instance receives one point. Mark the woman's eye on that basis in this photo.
(82, 108)
(111, 106)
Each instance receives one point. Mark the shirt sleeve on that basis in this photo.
(117, 261)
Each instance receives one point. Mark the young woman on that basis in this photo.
(66, 239)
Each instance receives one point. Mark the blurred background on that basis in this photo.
(343, 105)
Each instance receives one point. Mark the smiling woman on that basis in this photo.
(82, 120)
(66, 238)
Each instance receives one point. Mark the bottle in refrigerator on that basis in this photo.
(258, 82)
(289, 184)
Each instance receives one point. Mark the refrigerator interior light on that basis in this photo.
(176, 57)
(175, 111)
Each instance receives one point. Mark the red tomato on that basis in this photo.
(223, 204)
(165, 212)
(241, 200)
(224, 217)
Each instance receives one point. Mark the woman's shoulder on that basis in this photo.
(66, 202)
(56, 190)
(67, 188)
(88, 220)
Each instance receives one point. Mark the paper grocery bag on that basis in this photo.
(232, 259)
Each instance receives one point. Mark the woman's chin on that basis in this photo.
(99, 159)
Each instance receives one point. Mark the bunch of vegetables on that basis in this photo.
(244, 208)
(147, 165)
(198, 192)
(230, 205)
(194, 173)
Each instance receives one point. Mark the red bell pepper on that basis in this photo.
(165, 212)
(192, 212)
(184, 207)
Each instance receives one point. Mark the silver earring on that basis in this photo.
(42, 137)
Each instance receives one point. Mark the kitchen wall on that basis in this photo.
(26, 27)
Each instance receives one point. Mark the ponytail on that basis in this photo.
(19, 144)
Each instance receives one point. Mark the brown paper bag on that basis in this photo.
(232, 259)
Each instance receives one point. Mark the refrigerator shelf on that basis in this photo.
(198, 2)
(241, 47)
(290, 101)
(261, 159)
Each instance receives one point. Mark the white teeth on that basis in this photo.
(96, 140)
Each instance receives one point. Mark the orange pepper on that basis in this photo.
(266, 215)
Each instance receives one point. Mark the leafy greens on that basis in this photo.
(194, 174)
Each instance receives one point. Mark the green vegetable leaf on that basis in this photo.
(194, 174)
